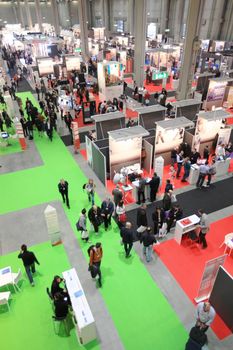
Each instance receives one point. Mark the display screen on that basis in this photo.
(167, 139)
(72, 63)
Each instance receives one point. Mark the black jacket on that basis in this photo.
(158, 220)
(141, 217)
(63, 188)
(28, 258)
(168, 187)
(61, 308)
(55, 288)
(147, 239)
(95, 217)
(127, 235)
(154, 183)
(166, 202)
(107, 208)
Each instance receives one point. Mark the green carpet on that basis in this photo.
(142, 315)
(29, 322)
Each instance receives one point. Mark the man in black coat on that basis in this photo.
(107, 209)
(29, 260)
(154, 186)
(127, 236)
(63, 189)
(142, 221)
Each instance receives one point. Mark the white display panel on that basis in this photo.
(72, 63)
(206, 130)
(45, 66)
(167, 139)
(125, 150)
(151, 31)
(215, 95)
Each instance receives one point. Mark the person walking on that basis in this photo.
(168, 186)
(127, 235)
(82, 226)
(187, 167)
(107, 209)
(37, 91)
(141, 190)
(63, 189)
(204, 228)
(90, 189)
(142, 221)
(179, 160)
(148, 239)
(154, 186)
(203, 171)
(96, 255)
(167, 201)
(29, 260)
(117, 195)
(212, 171)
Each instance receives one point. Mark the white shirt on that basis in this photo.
(205, 317)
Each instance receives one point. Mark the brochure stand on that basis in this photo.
(52, 225)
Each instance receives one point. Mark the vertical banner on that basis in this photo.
(158, 167)
(19, 131)
(208, 277)
(75, 133)
(89, 151)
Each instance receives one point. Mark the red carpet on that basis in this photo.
(190, 262)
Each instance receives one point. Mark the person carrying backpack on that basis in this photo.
(95, 253)
(82, 226)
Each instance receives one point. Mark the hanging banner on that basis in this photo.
(208, 277)
(19, 131)
(75, 133)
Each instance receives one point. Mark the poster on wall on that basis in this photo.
(45, 66)
(151, 31)
(206, 130)
(224, 136)
(167, 139)
(113, 74)
(215, 94)
(119, 157)
(72, 63)
(230, 97)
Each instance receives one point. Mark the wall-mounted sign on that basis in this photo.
(159, 75)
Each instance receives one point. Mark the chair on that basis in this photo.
(61, 321)
(4, 299)
(193, 237)
(228, 241)
(16, 277)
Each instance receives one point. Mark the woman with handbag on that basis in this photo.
(82, 226)
(120, 214)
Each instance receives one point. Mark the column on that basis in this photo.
(179, 12)
(130, 18)
(28, 14)
(140, 40)
(164, 5)
(82, 13)
(21, 19)
(38, 14)
(106, 16)
(191, 48)
(55, 18)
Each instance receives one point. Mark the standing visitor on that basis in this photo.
(142, 222)
(154, 186)
(205, 315)
(117, 195)
(187, 167)
(90, 189)
(82, 226)
(203, 171)
(107, 209)
(179, 160)
(141, 189)
(204, 226)
(94, 215)
(63, 189)
(127, 236)
(29, 260)
(148, 239)
(96, 255)
(158, 218)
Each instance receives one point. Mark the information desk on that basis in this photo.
(184, 226)
(5, 276)
(85, 327)
(135, 189)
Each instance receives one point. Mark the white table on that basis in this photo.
(5, 276)
(85, 327)
(222, 166)
(193, 175)
(181, 228)
(135, 191)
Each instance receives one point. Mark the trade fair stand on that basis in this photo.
(108, 122)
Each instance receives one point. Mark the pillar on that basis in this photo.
(179, 12)
(191, 48)
(140, 40)
(82, 13)
(28, 14)
(38, 14)
(55, 15)
(21, 19)
(164, 5)
(130, 18)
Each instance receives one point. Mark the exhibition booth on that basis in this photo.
(147, 116)
(187, 108)
(216, 92)
(108, 122)
(110, 75)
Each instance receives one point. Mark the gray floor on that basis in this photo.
(25, 231)
(30, 158)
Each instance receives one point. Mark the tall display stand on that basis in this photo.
(19, 131)
(110, 76)
(158, 167)
(75, 133)
(84, 321)
(52, 225)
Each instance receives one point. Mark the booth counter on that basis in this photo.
(135, 185)
(185, 226)
(110, 76)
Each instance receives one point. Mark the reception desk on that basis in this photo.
(85, 323)
(184, 226)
